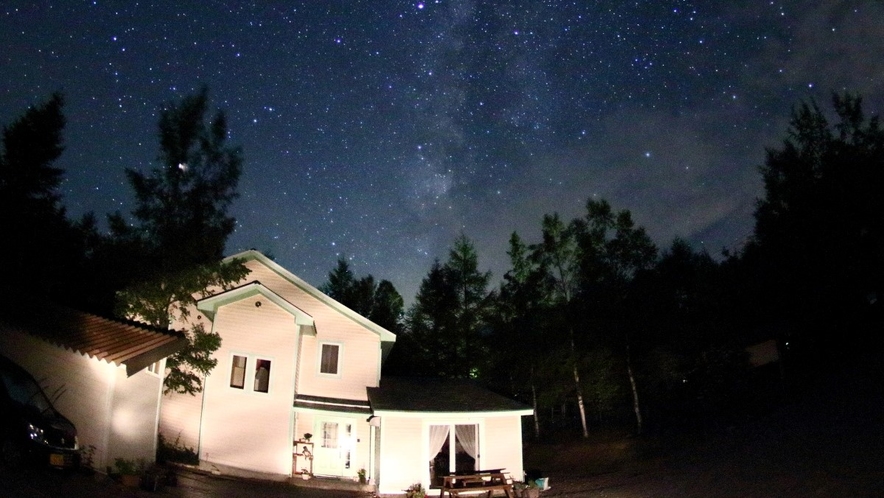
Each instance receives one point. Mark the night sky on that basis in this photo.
(381, 130)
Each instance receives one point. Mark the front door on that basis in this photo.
(334, 447)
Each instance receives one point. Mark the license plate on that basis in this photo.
(56, 460)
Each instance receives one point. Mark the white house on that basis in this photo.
(103, 375)
(294, 361)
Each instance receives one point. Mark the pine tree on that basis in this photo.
(180, 232)
(42, 249)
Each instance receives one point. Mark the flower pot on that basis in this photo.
(531, 493)
(130, 480)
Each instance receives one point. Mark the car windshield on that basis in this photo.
(25, 391)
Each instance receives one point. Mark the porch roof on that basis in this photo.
(435, 395)
(324, 403)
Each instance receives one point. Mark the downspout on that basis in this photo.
(296, 375)
(199, 438)
(156, 424)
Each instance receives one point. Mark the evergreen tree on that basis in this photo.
(818, 246)
(181, 228)
(522, 341)
(43, 250)
(450, 314)
(380, 303)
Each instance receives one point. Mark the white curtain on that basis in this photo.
(438, 434)
(467, 435)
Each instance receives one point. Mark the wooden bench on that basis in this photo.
(480, 481)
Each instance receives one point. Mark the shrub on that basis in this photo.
(175, 452)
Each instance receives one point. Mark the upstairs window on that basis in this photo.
(238, 372)
(262, 376)
(328, 363)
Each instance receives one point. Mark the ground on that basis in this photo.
(823, 442)
(48, 483)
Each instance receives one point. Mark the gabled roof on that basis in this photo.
(132, 344)
(252, 255)
(210, 304)
(428, 395)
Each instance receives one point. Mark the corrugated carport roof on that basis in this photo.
(132, 344)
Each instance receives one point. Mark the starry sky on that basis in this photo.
(381, 130)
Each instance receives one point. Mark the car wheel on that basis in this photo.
(11, 453)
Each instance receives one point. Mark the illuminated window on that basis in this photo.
(328, 363)
(262, 376)
(238, 372)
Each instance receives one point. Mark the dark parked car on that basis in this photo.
(30, 427)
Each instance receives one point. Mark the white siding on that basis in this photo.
(179, 419)
(361, 353)
(114, 413)
(240, 427)
(503, 445)
(403, 454)
(404, 458)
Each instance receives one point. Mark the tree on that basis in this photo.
(381, 303)
(612, 252)
(449, 315)
(182, 227)
(818, 245)
(558, 256)
(518, 328)
(44, 249)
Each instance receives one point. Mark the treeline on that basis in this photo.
(148, 266)
(592, 324)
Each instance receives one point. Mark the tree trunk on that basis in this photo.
(580, 402)
(635, 403)
(577, 386)
(536, 419)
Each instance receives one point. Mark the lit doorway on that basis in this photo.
(334, 447)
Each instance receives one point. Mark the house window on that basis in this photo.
(262, 376)
(154, 368)
(328, 363)
(238, 372)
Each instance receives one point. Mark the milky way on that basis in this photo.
(381, 130)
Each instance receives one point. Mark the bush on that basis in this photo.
(175, 452)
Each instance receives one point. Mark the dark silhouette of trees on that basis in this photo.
(818, 246)
(172, 253)
(450, 316)
(42, 249)
(380, 303)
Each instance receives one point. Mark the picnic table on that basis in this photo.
(479, 481)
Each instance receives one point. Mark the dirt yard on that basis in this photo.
(825, 445)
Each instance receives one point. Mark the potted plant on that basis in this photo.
(362, 478)
(531, 490)
(416, 490)
(307, 436)
(528, 489)
(129, 472)
(305, 474)
(152, 478)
